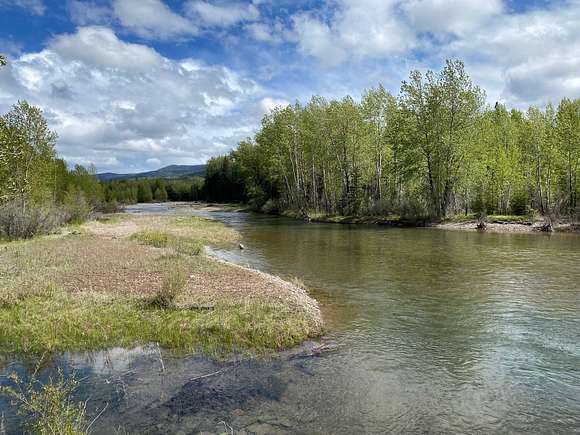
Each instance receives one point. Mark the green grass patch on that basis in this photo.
(62, 322)
(181, 245)
(153, 238)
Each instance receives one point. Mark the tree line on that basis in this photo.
(154, 190)
(434, 150)
(38, 191)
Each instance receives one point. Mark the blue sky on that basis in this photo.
(131, 85)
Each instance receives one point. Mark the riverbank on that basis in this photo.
(127, 280)
(494, 224)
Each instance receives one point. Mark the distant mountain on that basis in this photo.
(172, 171)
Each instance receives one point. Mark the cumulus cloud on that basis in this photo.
(357, 29)
(100, 47)
(537, 53)
(222, 14)
(152, 19)
(120, 104)
(450, 16)
(521, 57)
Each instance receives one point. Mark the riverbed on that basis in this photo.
(437, 332)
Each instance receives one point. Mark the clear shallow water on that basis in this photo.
(439, 332)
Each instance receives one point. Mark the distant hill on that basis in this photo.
(172, 171)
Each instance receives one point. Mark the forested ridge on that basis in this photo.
(434, 150)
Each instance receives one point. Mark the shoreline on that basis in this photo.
(492, 225)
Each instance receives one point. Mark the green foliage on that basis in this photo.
(224, 180)
(436, 151)
(26, 155)
(160, 194)
(156, 189)
(144, 193)
(48, 406)
(76, 205)
(38, 190)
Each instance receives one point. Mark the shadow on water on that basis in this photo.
(438, 332)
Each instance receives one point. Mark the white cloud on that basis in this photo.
(450, 16)
(100, 47)
(223, 14)
(318, 40)
(152, 19)
(119, 104)
(10, 47)
(357, 29)
(521, 58)
(86, 12)
(537, 54)
(263, 32)
(35, 7)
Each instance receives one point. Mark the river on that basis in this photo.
(437, 332)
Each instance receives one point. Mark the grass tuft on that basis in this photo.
(171, 287)
(153, 238)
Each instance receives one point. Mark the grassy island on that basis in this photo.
(128, 280)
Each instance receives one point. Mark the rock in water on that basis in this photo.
(242, 247)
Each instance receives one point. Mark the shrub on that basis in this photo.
(381, 207)
(17, 222)
(270, 207)
(76, 206)
(111, 206)
(48, 406)
(172, 285)
(413, 208)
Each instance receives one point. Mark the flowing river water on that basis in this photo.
(438, 332)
